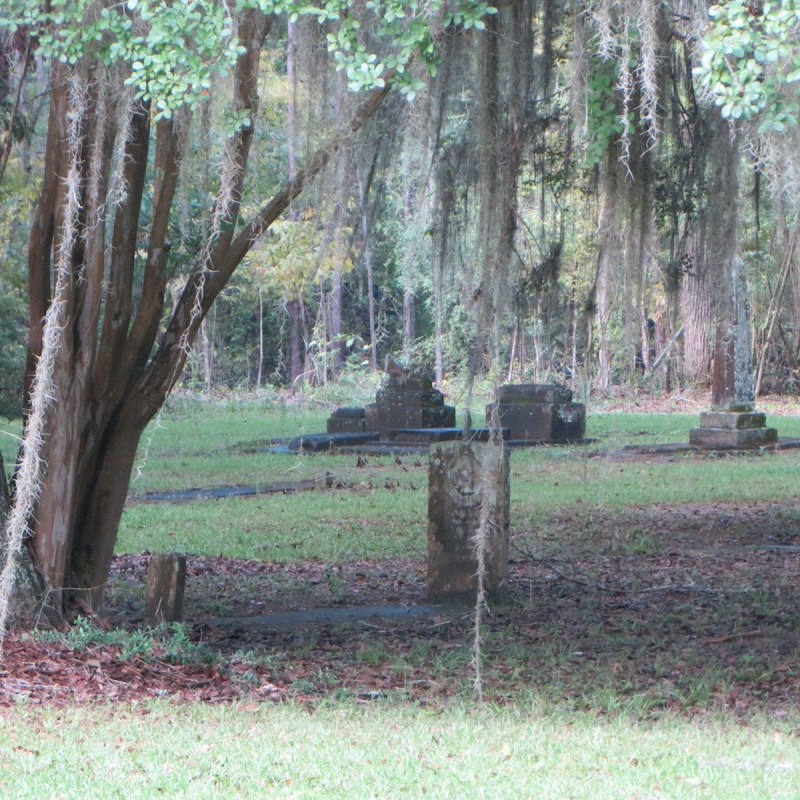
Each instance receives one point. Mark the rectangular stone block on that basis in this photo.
(468, 483)
(533, 393)
(387, 395)
(727, 438)
(389, 417)
(345, 424)
(348, 412)
(542, 422)
(731, 420)
(425, 434)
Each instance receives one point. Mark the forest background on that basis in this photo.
(531, 180)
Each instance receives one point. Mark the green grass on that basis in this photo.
(343, 751)
(331, 526)
(381, 512)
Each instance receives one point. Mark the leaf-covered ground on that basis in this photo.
(644, 610)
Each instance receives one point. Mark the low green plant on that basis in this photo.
(170, 643)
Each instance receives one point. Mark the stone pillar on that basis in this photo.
(732, 422)
(166, 580)
(465, 478)
(732, 385)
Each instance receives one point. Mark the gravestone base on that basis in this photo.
(465, 481)
(389, 416)
(732, 430)
(346, 420)
(536, 412)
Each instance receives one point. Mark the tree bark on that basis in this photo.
(113, 369)
(707, 292)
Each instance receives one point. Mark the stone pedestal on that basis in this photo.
(535, 412)
(464, 480)
(346, 420)
(732, 430)
(166, 580)
(408, 401)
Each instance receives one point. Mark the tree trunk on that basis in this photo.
(707, 293)
(113, 370)
(296, 368)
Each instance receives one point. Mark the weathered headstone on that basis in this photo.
(166, 581)
(537, 412)
(468, 483)
(732, 421)
(407, 399)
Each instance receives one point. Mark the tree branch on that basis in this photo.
(205, 284)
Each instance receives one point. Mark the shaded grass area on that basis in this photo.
(386, 751)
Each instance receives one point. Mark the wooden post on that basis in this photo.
(166, 580)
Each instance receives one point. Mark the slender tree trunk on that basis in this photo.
(609, 255)
(260, 370)
(296, 368)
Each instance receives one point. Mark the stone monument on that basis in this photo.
(468, 484)
(733, 422)
(407, 399)
(538, 412)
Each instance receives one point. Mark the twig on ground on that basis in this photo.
(732, 637)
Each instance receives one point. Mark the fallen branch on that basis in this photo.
(732, 637)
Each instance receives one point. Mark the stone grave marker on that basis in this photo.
(733, 421)
(464, 478)
(407, 399)
(539, 412)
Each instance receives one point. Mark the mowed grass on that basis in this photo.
(380, 751)
(378, 507)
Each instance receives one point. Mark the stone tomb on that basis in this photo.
(538, 412)
(346, 420)
(732, 430)
(408, 400)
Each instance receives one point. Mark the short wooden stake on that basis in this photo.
(166, 580)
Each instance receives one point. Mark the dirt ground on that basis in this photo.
(649, 610)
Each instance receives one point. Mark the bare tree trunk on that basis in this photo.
(409, 321)
(296, 367)
(373, 331)
(707, 293)
(260, 371)
(609, 254)
(207, 350)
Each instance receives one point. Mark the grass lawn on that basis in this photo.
(379, 751)
(591, 699)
